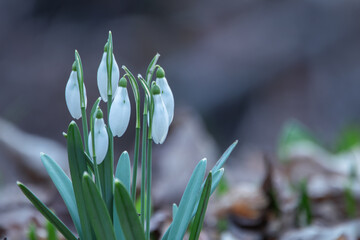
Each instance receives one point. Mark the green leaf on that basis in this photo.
(174, 210)
(51, 231)
(349, 138)
(98, 213)
(151, 68)
(32, 232)
(135, 88)
(215, 179)
(187, 203)
(200, 213)
(93, 111)
(47, 213)
(128, 216)
(77, 164)
(64, 186)
(224, 157)
(293, 132)
(122, 172)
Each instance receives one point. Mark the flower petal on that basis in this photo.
(160, 122)
(102, 77)
(72, 96)
(119, 116)
(167, 97)
(101, 140)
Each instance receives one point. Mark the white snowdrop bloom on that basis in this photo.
(160, 120)
(100, 137)
(166, 93)
(102, 77)
(119, 116)
(72, 95)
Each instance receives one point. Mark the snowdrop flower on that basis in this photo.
(72, 95)
(166, 93)
(102, 76)
(100, 137)
(160, 119)
(119, 116)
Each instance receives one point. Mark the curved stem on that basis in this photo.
(148, 193)
(136, 160)
(143, 167)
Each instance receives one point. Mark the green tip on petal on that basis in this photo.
(99, 113)
(155, 89)
(106, 47)
(123, 82)
(74, 66)
(160, 73)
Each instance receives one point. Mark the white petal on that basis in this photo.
(72, 96)
(102, 77)
(101, 140)
(120, 112)
(167, 97)
(160, 122)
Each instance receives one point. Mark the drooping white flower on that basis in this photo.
(72, 95)
(160, 119)
(100, 137)
(119, 116)
(166, 93)
(102, 77)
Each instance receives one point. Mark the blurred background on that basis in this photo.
(239, 69)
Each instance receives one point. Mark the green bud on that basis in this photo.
(74, 66)
(155, 89)
(123, 82)
(160, 73)
(106, 47)
(99, 113)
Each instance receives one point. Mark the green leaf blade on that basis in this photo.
(200, 213)
(77, 164)
(123, 171)
(224, 157)
(97, 210)
(127, 214)
(187, 202)
(64, 186)
(47, 213)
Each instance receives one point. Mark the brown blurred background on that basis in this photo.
(242, 67)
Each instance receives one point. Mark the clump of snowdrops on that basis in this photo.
(101, 201)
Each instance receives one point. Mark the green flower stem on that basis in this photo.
(96, 170)
(136, 160)
(85, 129)
(143, 165)
(148, 193)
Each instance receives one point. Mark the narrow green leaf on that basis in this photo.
(64, 186)
(89, 162)
(51, 231)
(128, 216)
(46, 212)
(151, 68)
(224, 157)
(92, 113)
(32, 232)
(77, 164)
(98, 213)
(214, 183)
(187, 203)
(174, 210)
(122, 172)
(200, 213)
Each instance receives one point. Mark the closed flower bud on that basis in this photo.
(160, 120)
(166, 93)
(100, 137)
(72, 95)
(102, 77)
(119, 116)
